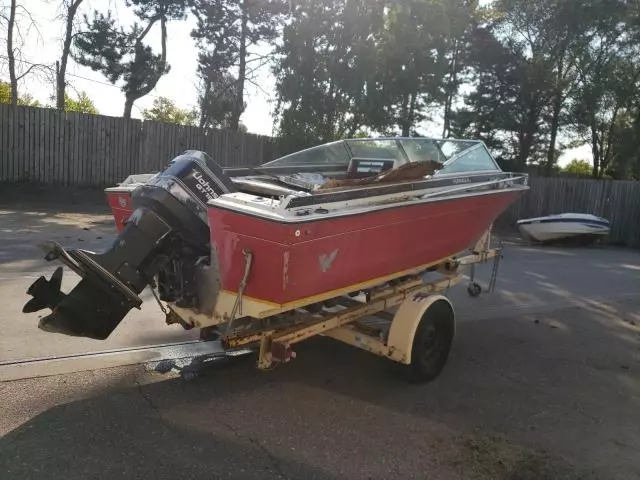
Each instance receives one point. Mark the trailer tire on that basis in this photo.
(431, 343)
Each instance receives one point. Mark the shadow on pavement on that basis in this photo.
(550, 397)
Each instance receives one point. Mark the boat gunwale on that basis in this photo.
(599, 221)
(293, 219)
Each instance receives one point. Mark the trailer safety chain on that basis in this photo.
(152, 286)
(494, 269)
(237, 306)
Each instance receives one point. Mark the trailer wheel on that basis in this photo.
(431, 343)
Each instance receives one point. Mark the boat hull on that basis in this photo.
(564, 227)
(299, 261)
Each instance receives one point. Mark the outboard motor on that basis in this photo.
(165, 238)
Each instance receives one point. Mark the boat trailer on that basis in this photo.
(408, 320)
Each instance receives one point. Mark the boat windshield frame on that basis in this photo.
(343, 151)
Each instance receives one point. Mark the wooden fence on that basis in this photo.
(618, 201)
(63, 148)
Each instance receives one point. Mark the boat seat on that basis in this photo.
(405, 172)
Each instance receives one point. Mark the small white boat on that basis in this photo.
(565, 226)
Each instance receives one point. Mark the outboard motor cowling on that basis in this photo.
(166, 238)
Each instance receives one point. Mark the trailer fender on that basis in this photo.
(407, 320)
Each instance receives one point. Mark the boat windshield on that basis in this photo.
(380, 149)
(456, 156)
(334, 153)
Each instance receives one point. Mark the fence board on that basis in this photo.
(14, 136)
(4, 130)
(43, 140)
(22, 167)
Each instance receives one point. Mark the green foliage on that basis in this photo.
(550, 67)
(120, 54)
(164, 110)
(82, 104)
(578, 167)
(411, 47)
(607, 98)
(328, 79)
(5, 96)
(378, 65)
(225, 32)
(528, 77)
(505, 108)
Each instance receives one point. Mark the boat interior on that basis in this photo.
(355, 175)
(367, 162)
(372, 166)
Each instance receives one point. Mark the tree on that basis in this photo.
(412, 50)
(607, 89)
(14, 15)
(82, 104)
(626, 159)
(225, 32)
(327, 78)
(505, 107)
(578, 167)
(121, 54)
(547, 34)
(70, 11)
(11, 21)
(461, 19)
(164, 110)
(216, 98)
(6, 96)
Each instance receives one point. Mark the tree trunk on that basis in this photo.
(412, 111)
(451, 91)
(128, 106)
(132, 96)
(327, 126)
(204, 117)
(606, 155)
(242, 67)
(555, 123)
(66, 48)
(527, 135)
(595, 150)
(404, 116)
(10, 54)
(526, 141)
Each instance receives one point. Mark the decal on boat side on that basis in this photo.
(326, 260)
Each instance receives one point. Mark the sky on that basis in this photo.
(44, 46)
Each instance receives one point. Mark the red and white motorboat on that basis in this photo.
(219, 244)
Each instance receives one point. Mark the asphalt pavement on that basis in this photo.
(553, 395)
(543, 382)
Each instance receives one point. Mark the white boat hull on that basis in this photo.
(564, 226)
